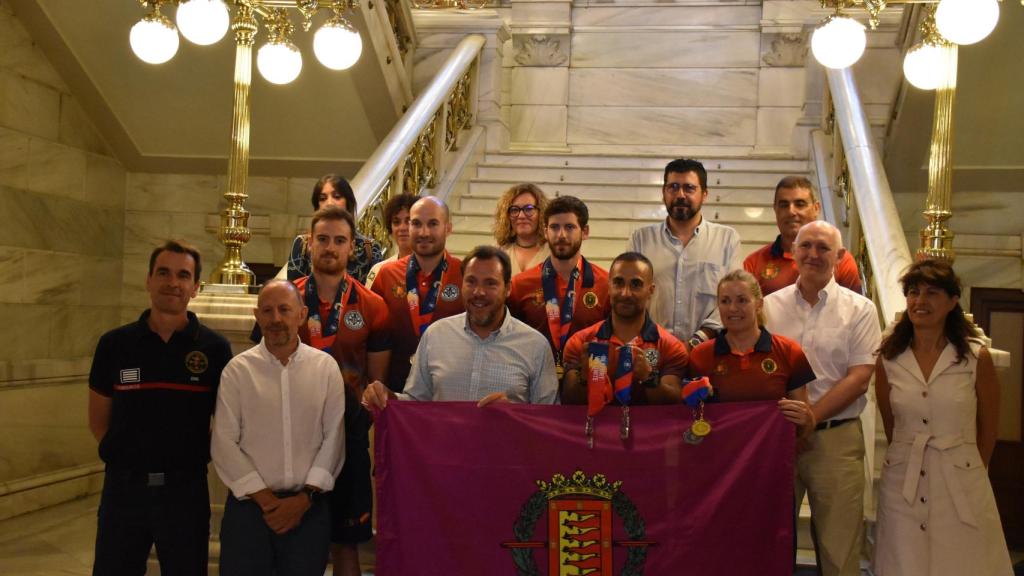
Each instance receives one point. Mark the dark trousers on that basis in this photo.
(248, 547)
(135, 513)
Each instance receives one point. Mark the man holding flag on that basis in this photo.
(627, 356)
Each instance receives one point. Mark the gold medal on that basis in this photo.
(559, 371)
(700, 428)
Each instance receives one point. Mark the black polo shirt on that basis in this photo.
(163, 394)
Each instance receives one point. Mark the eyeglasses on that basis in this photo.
(527, 210)
(675, 187)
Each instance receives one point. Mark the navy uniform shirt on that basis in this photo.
(163, 394)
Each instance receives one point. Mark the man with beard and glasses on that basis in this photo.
(351, 323)
(278, 443)
(689, 254)
(565, 293)
(628, 350)
(482, 355)
(421, 288)
(152, 390)
(773, 265)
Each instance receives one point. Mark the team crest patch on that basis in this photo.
(722, 369)
(538, 298)
(354, 320)
(770, 271)
(196, 362)
(450, 292)
(652, 357)
(580, 514)
(398, 291)
(768, 366)
(590, 299)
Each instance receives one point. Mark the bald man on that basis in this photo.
(839, 332)
(420, 288)
(278, 444)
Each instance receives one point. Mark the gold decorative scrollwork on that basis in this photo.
(458, 115)
(372, 221)
(864, 263)
(393, 8)
(420, 170)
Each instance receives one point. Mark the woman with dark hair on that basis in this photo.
(517, 226)
(332, 189)
(939, 398)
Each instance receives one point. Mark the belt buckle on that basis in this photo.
(155, 479)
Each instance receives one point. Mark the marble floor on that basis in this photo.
(58, 541)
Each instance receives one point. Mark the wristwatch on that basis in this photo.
(311, 493)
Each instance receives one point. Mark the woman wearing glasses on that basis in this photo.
(517, 227)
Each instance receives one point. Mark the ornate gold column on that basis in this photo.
(234, 220)
(936, 238)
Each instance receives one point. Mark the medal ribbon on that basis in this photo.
(599, 390)
(624, 373)
(422, 315)
(560, 316)
(312, 301)
(696, 390)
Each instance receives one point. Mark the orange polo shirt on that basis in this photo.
(775, 269)
(390, 285)
(526, 299)
(775, 366)
(664, 352)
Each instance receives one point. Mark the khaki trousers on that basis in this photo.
(831, 472)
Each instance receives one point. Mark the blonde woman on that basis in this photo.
(517, 228)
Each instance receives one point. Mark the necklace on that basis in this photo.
(534, 245)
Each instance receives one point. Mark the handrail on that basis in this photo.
(886, 243)
(379, 168)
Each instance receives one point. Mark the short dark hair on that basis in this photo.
(792, 183)
(341, 185)
(487, 252)
(567, 205)
(333, 214)
(178, 247)
(684, 165)
(396, 205)
(632, 257)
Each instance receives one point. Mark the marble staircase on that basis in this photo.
(623, 193)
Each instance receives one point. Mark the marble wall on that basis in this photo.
(61, 235)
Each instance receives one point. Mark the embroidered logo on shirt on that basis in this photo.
(196, 362)
(652, 357)
(769, 366)
(722, 369)
(354, 320)
(770, 271)
(590, 299)
(538, 298)
(450, 292)
(130, 375)
(398, 291)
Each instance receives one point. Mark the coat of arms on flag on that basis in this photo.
(580, 514)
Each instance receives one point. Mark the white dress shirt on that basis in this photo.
(838, 332)
(453, 363)
(686, 277)
(279, 426)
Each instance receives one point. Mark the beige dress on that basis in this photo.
(537, 259)
(936, 512)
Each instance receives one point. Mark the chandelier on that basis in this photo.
(336, 44)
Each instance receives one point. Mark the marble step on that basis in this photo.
(603, 191)
(757, 233)
(654, 162)
(623, 175)
(651, 211)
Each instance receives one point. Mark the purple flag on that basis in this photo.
(513, 490)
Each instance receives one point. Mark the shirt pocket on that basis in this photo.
(707, 277)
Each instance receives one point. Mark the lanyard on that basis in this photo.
(312, 300)
(422, 315)
(560, 315)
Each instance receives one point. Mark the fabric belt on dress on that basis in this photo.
(833, 423)
(919, 442)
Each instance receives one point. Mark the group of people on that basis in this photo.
(532, 320)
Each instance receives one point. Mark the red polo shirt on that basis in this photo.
(664, 352)
(775, 366)
(390, 285)
(775, 269)
(526, 300)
